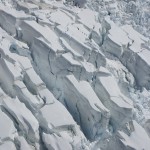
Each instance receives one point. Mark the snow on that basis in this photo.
(52, 116)
(23, 144)
(85, 20)
(136, 138)
(60, 17)
(74, 75)
(7, 130)
(55, 142)
(14, 69)
(25, 96)
(24, 118)
(14, 13)
(119, 105)
(69, 58)
(145, 55)
(10, 18)
(26, 7)
(75, 54)
(47, 96)
(8, 145)
(34, 77)
(78, 94)
(84, 88)
(78, 39)
(24, 63)
(119, 36)
(33, 81)
(133, 34)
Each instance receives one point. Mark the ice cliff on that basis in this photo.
(74, 75)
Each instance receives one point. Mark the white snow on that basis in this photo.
(7, 130)
(136, 138)
(74, 75)
(8, 145)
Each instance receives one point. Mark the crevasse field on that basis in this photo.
(75, 75)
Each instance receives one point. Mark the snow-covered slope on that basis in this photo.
(74, 75)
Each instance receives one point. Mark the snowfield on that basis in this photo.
(74, 75)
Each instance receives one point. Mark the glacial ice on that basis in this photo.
(74, 75)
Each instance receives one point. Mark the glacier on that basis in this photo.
(74, 75)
